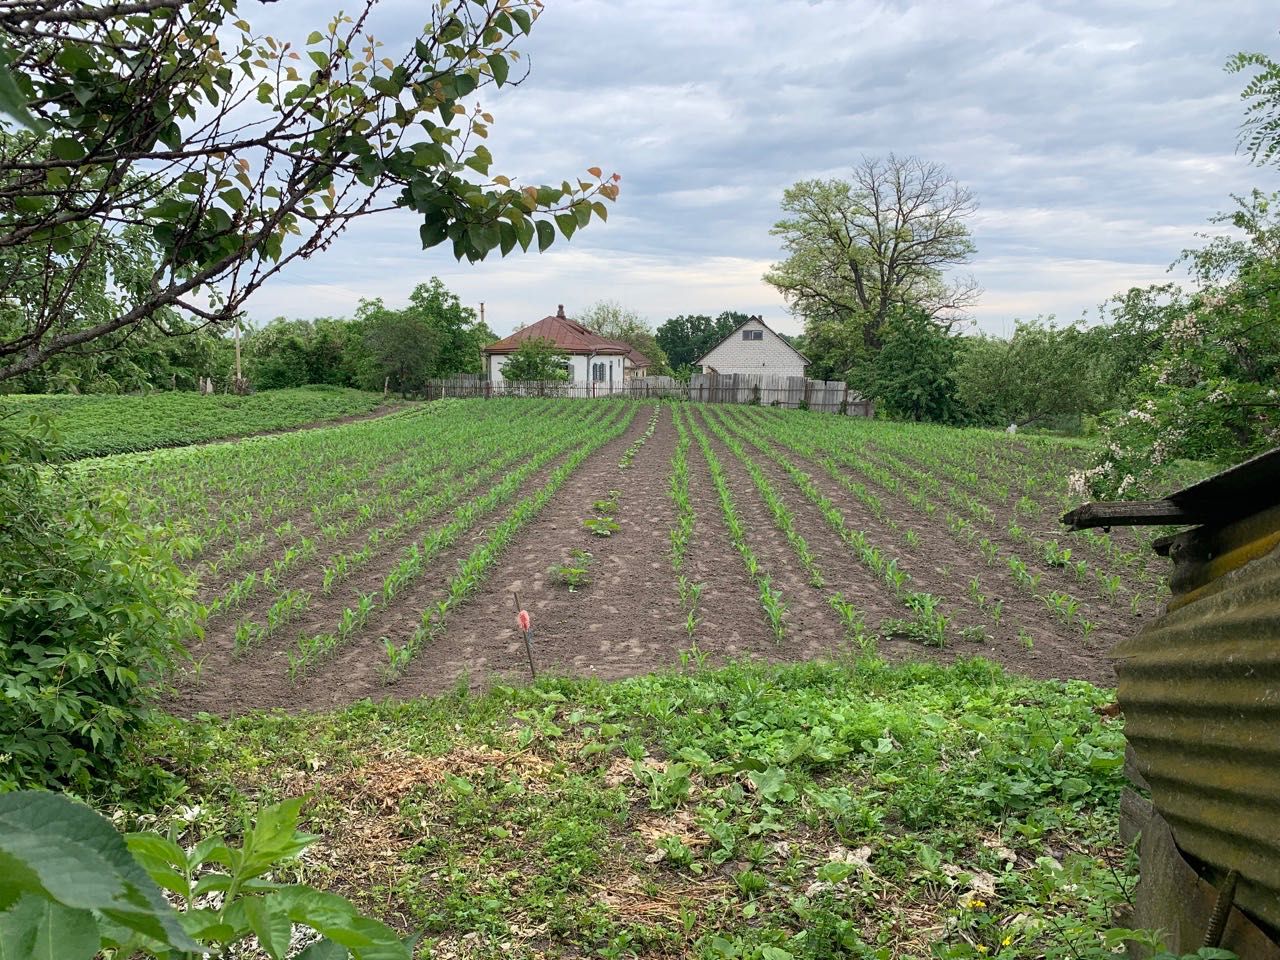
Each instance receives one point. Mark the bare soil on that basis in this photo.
(628, 619)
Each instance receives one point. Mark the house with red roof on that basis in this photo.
(589, 357)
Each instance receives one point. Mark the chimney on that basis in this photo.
(560, 311)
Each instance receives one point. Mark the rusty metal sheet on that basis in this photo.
(1200, 689)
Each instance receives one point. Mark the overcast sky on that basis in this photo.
(1096, 137)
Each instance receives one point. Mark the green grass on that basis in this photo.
(98, 425)
(816, 810)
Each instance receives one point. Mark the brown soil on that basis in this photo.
(628, 619)
(233, 682)
(943, 567)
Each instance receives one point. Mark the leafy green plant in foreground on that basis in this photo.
(73, 886)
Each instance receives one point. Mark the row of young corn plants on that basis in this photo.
(474, 568)
(783, 518)
(1065, 607)
(437, 488)
(770, 598)
(928, 622)
(689, 591)
(686, 518)
(834, 457)
(358, 494)
(1049, 548)
(629, 454)
(989, 466)
(199, 498)
(216, 494)
(533, 451)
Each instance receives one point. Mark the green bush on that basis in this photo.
(92, 615)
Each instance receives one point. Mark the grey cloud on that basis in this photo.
(1097, 137)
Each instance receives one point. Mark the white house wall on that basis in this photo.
(579, 368)
(770, 355)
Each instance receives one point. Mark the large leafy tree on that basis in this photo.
(405, 346)
(687, 337)
(861, 250)
(460, 332)
(611, 319)
(224, 154)
(913, 375)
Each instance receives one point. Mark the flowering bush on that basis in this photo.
(1211, 391)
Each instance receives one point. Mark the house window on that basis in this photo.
(597, 372)
(752, 334)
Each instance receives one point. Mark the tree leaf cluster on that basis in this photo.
(151, 126)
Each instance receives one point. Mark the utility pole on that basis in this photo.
(482, 313)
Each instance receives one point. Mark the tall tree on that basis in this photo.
(461, 334)
(405, 345)
(687, 337)
(860, 249)
(913, 375)
(611, 319)
(231, 153)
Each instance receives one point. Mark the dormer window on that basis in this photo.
(752, 334)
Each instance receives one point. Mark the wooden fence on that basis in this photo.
(474, 386)
(767, 390)
(828, 396)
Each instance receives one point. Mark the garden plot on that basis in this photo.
(384, 558)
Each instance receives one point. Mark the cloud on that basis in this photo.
(1096, 137)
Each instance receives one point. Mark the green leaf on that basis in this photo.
(432, 232)
(522, 17)
(834, 872)
(60, 850)
(270, 923)
(274, 837)
(546, 235)
(12, 101)
(524, 233)
(771, 782)
(568, 223)
(1073, 787)
(498, 64)
(315, 36)
(507, 235)
(74, 57)
(67, 148)
(324, 950)
(40, 929)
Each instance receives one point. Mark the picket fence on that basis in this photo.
(828, 396)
